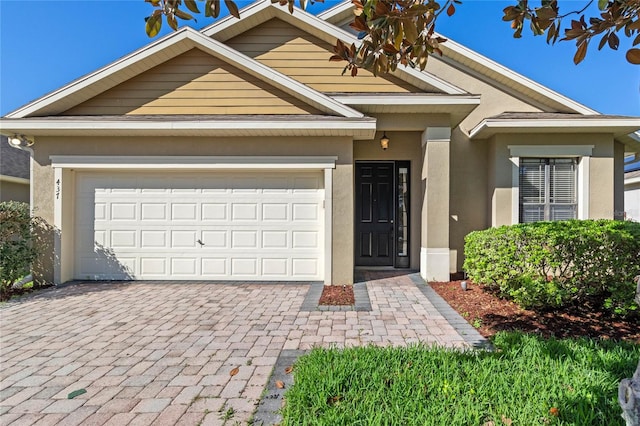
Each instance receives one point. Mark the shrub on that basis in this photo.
(552, 264)
(17, 250)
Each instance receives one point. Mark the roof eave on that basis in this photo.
(358, 128)
(616, 127)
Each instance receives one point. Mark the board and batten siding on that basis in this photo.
(305, 58)
(193, 83)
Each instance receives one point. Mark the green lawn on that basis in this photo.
(527, 381)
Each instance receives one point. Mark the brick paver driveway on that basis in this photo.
(161, 354)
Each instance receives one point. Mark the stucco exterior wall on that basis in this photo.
(602, 186)
(494, 99)
(467, 199)
(44, 189)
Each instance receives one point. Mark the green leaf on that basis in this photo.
(76, 393)
(602, 4)
(154, 24)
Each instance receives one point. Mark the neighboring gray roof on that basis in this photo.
(13, 162)
(631, 175)
(554, 116)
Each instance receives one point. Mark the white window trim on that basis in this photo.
(60, 163)
(582, 152)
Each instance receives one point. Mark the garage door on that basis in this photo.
(213, 226)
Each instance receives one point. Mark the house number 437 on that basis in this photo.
(58, 189)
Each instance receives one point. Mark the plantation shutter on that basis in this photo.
(532, 190)
(547, 189)
(562, 189)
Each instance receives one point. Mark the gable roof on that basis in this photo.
(455, 54)
(162, 50)
(263, 10)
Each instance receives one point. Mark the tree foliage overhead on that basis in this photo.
(402, 32)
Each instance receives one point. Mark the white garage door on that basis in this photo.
(211, 225)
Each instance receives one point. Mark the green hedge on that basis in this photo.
(17, 249)
(551, 264)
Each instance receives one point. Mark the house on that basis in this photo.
(239, 152)
(632, 190)
(14, 173)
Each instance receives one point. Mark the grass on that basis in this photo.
(528, 380)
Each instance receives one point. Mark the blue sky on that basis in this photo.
(47, 44)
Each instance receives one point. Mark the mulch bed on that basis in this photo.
(490, 314)
(337, 295)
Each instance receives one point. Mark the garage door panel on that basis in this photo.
(214, 212)
(214, 267)
(305, 212)
(223, 226)
(153, 239)
(244, 212)
(153, 211)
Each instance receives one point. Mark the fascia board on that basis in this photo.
(273, 77)
(337, 13)
(407, 100)
(489, 127)
(632, 181)
(172, 40)
(228, 22)
(12, 126)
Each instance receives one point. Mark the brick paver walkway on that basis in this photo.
(162, 354)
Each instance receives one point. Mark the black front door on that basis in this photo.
(374, 214)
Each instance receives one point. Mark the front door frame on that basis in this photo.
(400, 218)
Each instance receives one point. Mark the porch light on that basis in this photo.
(384, 141)
(18, 141)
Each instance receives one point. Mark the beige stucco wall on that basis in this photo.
(494, 99)
(467, 198)
(403, 146)
(43, 176)
(13, 191)
(603, 188)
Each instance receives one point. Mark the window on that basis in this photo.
(548, 189)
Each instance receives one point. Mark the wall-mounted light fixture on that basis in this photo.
(20, 141)
(384, 141)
